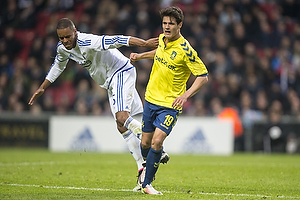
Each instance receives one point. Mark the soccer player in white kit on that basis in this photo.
(110, 69)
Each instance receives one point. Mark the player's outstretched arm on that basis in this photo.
(146, 55)
(39, 91)
(150, 43)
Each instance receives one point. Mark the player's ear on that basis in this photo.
(180, 24)
(75, 32)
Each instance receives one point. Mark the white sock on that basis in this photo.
(135, 126)
(133, 144)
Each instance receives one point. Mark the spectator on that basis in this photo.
(225, 112)
(275, 137)
(10, 45)
(248, 114)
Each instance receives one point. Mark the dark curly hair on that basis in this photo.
(172, 11)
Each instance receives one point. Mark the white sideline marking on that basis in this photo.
(130, 190)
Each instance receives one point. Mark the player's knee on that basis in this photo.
(157, 143)
(145, 144)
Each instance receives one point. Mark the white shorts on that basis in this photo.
(123, 95)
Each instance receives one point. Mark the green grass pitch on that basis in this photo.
(40, 174)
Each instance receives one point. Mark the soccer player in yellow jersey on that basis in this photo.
(174, 61)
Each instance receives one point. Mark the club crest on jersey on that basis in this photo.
(173, 55)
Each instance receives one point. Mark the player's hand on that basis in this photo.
(134, 57)
(178, 102)
(35, 95)
(152, 43)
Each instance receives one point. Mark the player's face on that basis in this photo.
(170, 28)
(67, 37)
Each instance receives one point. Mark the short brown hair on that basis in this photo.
(172, 11)
(65, 23)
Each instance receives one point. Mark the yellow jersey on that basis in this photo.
(172, 66)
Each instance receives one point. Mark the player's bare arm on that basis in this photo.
(39, 91)
(139, 56)
(150, 43)
(199, 82)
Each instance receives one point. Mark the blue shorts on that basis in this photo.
(158, 116)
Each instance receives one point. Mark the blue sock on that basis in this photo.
(152, 164)
(144, 152)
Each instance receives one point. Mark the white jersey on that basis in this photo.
(98, 54)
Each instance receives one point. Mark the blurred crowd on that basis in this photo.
(250, 47)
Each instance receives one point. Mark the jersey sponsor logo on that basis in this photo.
(188, 52)
(164, 62)
(173, 55)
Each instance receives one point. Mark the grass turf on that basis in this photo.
(40, 174)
